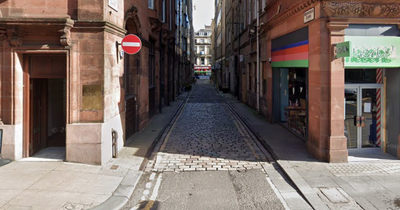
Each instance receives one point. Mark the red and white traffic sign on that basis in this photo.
(131, 44)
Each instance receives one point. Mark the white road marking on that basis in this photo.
(156, 188)
(148, 185)
(152, 176)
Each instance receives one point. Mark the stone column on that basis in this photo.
(337, 142)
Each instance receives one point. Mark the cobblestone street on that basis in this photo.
(208, 137)
(207, 159)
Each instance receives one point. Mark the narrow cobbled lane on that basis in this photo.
(208, 160)
(207, 137)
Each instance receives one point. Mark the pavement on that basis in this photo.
(370, 180)
(366, 182)
(51, 184)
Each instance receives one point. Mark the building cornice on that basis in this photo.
(291, 11)
(11, 29)
(101, 26)
(341, 9)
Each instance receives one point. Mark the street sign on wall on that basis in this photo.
(309, 15)
(131, 44)
(342, 50)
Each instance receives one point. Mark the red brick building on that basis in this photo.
(65, 82)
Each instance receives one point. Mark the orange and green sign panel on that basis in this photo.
(292, 55)
(373, 52)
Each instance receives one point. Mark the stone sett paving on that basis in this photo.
(206, 137)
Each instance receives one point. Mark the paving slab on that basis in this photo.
(370, 180)
(43, 183)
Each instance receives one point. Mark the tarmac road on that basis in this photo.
(210, 190)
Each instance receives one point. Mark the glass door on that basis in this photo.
(351, 112)
(370, 117)
(363, 116)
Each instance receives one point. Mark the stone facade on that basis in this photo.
(76, 42)
(218, 33)
(203, 50)
(259, 28)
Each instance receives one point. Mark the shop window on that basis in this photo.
(360, 75)
(293, 100)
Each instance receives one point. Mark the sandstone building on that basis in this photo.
(65, 82)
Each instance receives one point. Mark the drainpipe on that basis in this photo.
(258, 58)
(161, 74)
(239, 70)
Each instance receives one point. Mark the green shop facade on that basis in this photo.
(371, 55)
(357, 105)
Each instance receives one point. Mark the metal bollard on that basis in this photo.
(114, 135)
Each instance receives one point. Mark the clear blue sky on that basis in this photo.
(203, 12)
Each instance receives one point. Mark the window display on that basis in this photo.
(293, 100)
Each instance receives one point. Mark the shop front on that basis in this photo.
(202, 70)
(289, 61)
(372, 78)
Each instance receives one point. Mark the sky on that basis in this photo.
(203, 12)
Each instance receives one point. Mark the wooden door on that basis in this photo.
(38, 109)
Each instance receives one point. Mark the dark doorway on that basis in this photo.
(47, 114)
(47, 103)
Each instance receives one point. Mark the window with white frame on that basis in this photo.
(264, 4)
(151, 4)
(255, 10)
(163, 12)
(249, 12)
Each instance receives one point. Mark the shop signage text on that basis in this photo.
(92, 97)
(373, 52)
(202, 67)
(342, 50)
(309, 15)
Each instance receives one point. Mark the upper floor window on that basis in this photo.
(163, 12)
(151, 4)
(264, 4)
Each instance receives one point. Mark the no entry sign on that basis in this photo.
(131, 44)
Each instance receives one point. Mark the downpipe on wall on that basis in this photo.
(258, 58)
